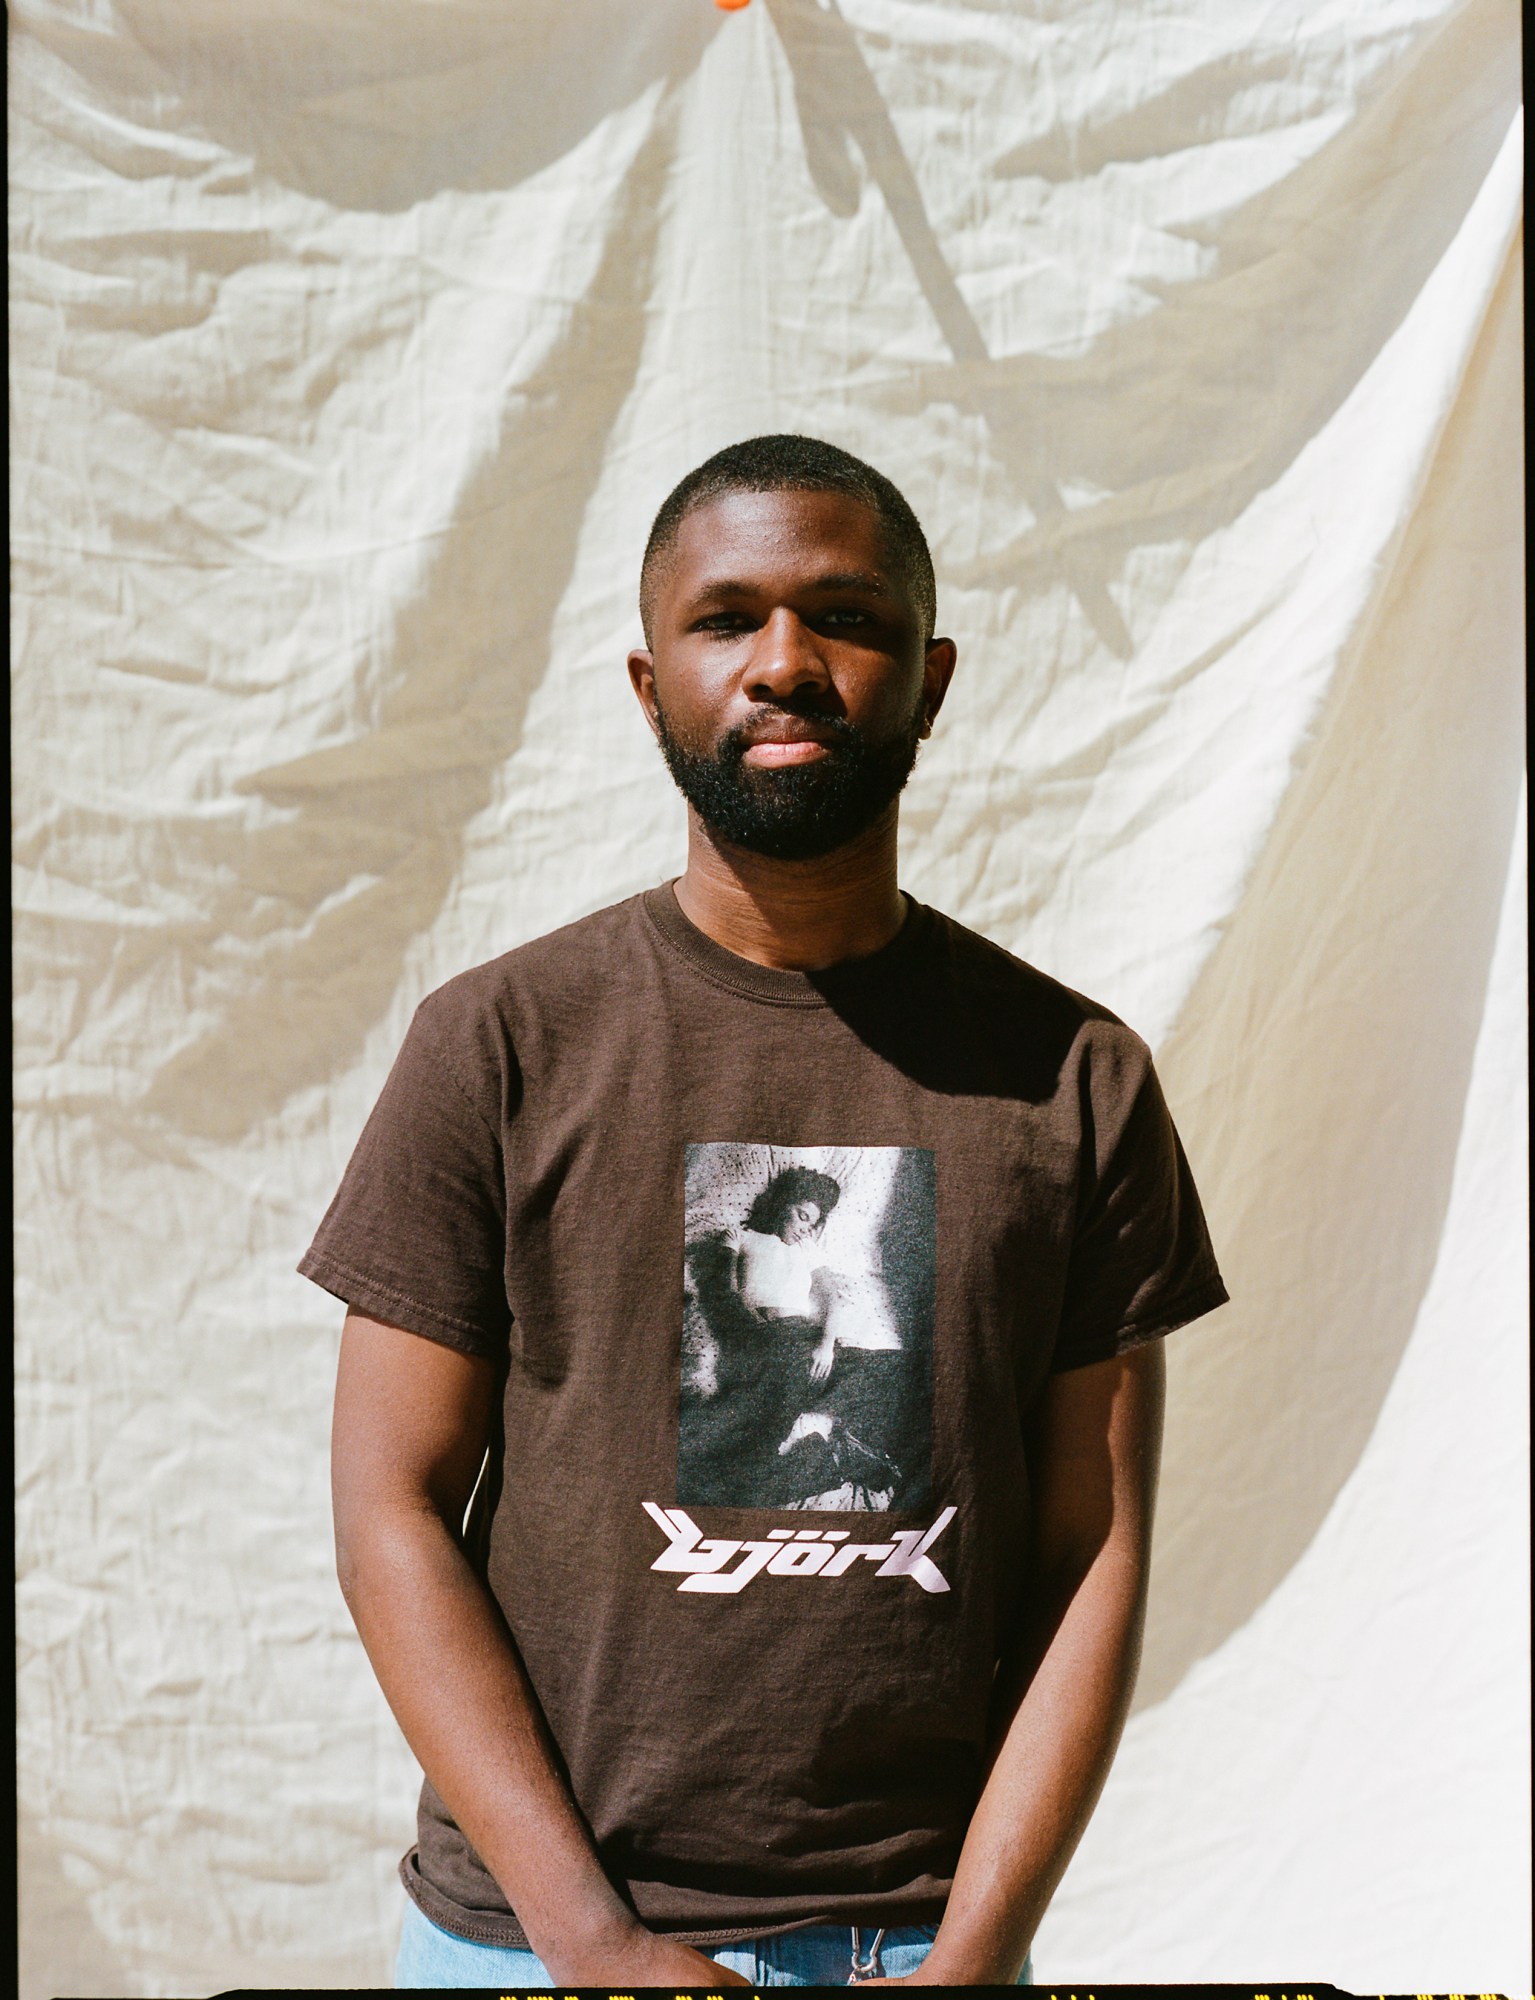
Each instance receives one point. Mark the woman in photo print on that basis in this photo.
(780, 1274)
(799, 1390)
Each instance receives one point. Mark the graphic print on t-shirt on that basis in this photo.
(808, 1293)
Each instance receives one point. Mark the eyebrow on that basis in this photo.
(867, 581)
(853, 579)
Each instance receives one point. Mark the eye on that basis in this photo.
(723, 624)
(845, 616)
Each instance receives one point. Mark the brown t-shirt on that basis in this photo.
(774, 1265)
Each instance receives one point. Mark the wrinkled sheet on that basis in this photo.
(353, 346)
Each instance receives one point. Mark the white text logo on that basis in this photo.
(790, 1552)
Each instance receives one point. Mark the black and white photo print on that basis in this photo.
(809, 1277)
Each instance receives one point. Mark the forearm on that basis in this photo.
(450, 1672)
(1052, 1753)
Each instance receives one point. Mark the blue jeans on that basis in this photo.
(820, 1956)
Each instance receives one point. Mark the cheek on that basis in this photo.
(694, 696)
(881, 696)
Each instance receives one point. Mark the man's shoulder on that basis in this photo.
(987, 975)
(996, 1024)
(561, 966)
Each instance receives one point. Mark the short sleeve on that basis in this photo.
(416, 1235)
(1141, 1260)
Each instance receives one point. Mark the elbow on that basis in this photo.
(349, 1567)
(381, 1542)
(360, 1531)
(360, 1519)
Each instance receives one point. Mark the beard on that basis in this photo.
(800, 812)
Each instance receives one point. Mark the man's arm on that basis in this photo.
(411, 1423)
(1063, 1697)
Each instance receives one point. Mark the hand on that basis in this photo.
(635, 1956)
(663, 1961)
(821, 1360)
(959, 1965)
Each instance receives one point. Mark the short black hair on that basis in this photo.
(788, 1186)
(787, 463)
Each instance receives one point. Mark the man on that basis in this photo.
(678, 1742)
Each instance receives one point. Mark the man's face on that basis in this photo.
(788, 681)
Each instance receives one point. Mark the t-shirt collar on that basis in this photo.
(773, 983)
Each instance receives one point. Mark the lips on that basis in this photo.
(773, 753)
(787, 741)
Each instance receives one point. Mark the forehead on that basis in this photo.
(777, 539)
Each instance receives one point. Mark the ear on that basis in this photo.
(642, 678)
(937, 672)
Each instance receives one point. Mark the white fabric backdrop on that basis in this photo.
(353, 346)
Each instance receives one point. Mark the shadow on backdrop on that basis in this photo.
(376, 105)
(840, 107)
(1321, 1065)
(1276, 360)
(306, 919)
(63, 1949)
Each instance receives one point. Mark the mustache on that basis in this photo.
(788, 725)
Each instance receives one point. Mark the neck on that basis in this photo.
(797, 916)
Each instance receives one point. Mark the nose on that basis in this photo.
(785, 660)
